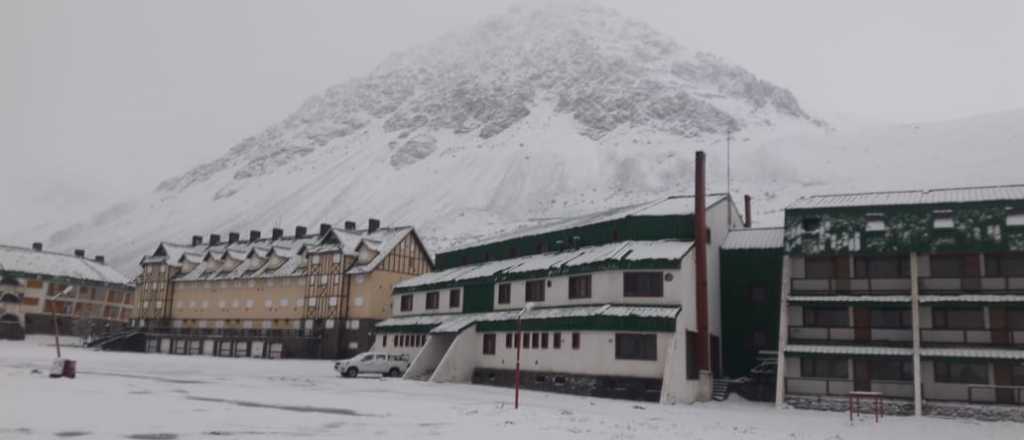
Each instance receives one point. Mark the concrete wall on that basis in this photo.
(460, 359)
(596, 356)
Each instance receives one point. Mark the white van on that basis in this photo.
(393, 365)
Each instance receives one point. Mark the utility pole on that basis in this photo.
(728, 167)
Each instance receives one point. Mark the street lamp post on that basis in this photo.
(53, 314)
(519, 344)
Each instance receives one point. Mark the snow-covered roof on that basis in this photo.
(978, 353)
(851, 298)
(861, 350)
(383, 241)
(454, 323)
(674, 205)
(754, 238)
(916, 197)
(618, 252)
(972, 298)
(30, 261)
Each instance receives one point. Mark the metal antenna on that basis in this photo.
(728, 166)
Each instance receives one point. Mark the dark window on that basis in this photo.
(575, 341)
(811, 223)
(384, 340)
(645, 284)
(535, 291)
(406, 303)
(454, 298)
(557, 340)
(433, 300)
(504, 293)
(947, 266)
(543, 340)
(1004, 265)
(515, 340)
(395, 341)
(692, 373)
(1015, 319)
(535, 340)
(489, 342)
(890, 318)
(828, 368)
(579, 287)
(826, 317)
(881, 267)
(526, 340)
(759, 295)
(958, 318)
(892, 369)
(508, 340)
(636, 346)
(818, 267)
(958, 371)
(943, 219)
(1017, 374)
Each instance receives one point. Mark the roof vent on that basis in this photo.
(276, 233)
(37, 246)
(325, 228)
(99, 259)
(254, 235)
(80, 253)
(233, 237)
(350, 225)
(197, 240)
(300, 231)
(374, 225)
(214, 239)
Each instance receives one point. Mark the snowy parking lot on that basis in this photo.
(155, 396)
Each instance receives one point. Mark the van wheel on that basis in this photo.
(352, 372)
(394, 372)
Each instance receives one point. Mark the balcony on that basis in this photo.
(985, 394)
(986, 285)
(992, 337)
(849, 286)
(840, 335)
(815, 386)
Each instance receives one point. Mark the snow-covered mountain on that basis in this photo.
(534, 113)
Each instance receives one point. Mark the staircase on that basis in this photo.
(127, 340)
(720, 390)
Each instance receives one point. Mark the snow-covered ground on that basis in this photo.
(153, 396)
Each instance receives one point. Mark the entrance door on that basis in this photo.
(841, 273)
(862, 375)
(862, 324)
(971, 280)
(1003, 375)
(1000, 324)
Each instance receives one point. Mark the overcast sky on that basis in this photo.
(100, 100)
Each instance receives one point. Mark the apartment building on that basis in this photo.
(917, 295)
(302, 295)
(32, 282)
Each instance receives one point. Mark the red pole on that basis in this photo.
(700, 233)
(519, 345)
(56, 331)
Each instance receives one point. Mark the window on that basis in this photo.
(489, 343)
(579, 287)
(406, 303)
(692, 373)
(881, 267)
(544, 340)
(636, 346)
(890, 318)
(336, 258)
(759, 295)
(575, 341)
(818, 267)
(958, 318)
(826, 317)
(642, 284)
(526, 340)
(535, 291)
(874, 222)
(1017, 374)
(508, 340)
(332, 301)
(1004, 265)
(556, 340)
(943, 219)
(1015, 318)
(311, 302)
(810, 224)
(892, 369)
(432, 300)
(827, 368)
(948, 266)
(535, 342)
(504, 293)
(454, 298)
(958, 371)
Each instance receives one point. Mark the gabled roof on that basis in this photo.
(53, 264)
(383, 241)
(454, 323)
(917, 197)
(754, 238)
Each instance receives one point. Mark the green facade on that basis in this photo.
(596, 323)
(978, 227)
(478, 297)
(741, 271)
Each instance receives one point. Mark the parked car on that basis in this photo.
(393, 365)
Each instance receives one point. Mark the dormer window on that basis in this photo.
(811, 224)
(874, 222)
(1014, 217)
(943, 219)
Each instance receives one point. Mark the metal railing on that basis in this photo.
(971, 285)
(225, 332)
(953, 336)
(849, 286)
(1001, 394)
(889, 336)
(899, 389)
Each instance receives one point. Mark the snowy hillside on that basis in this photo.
(533, 114)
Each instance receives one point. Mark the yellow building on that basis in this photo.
(303, 295)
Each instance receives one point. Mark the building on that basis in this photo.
(917, 295)
(302, 295)
(100, 299)
(619, 306)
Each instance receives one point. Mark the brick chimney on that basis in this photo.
(197, 240)
(300, 231)
(254, 236)
(325, 228)
(80, 253)
(374, 225)
(214, 239)
(746, 211)
(700, 233)
(276, 233)
(37, 246)
(233, 237)
(350, 225)
(99, 259)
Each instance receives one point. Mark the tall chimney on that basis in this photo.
(350, 225)
(325, 228)
(80, 253)
(276, 233)
(37, 246)
(700, 233)
(300, 231)
(254, 236)
(99, 259)
(746, 211)
(214, 239)
(373, 226)
(233, 237)
(197, 240)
